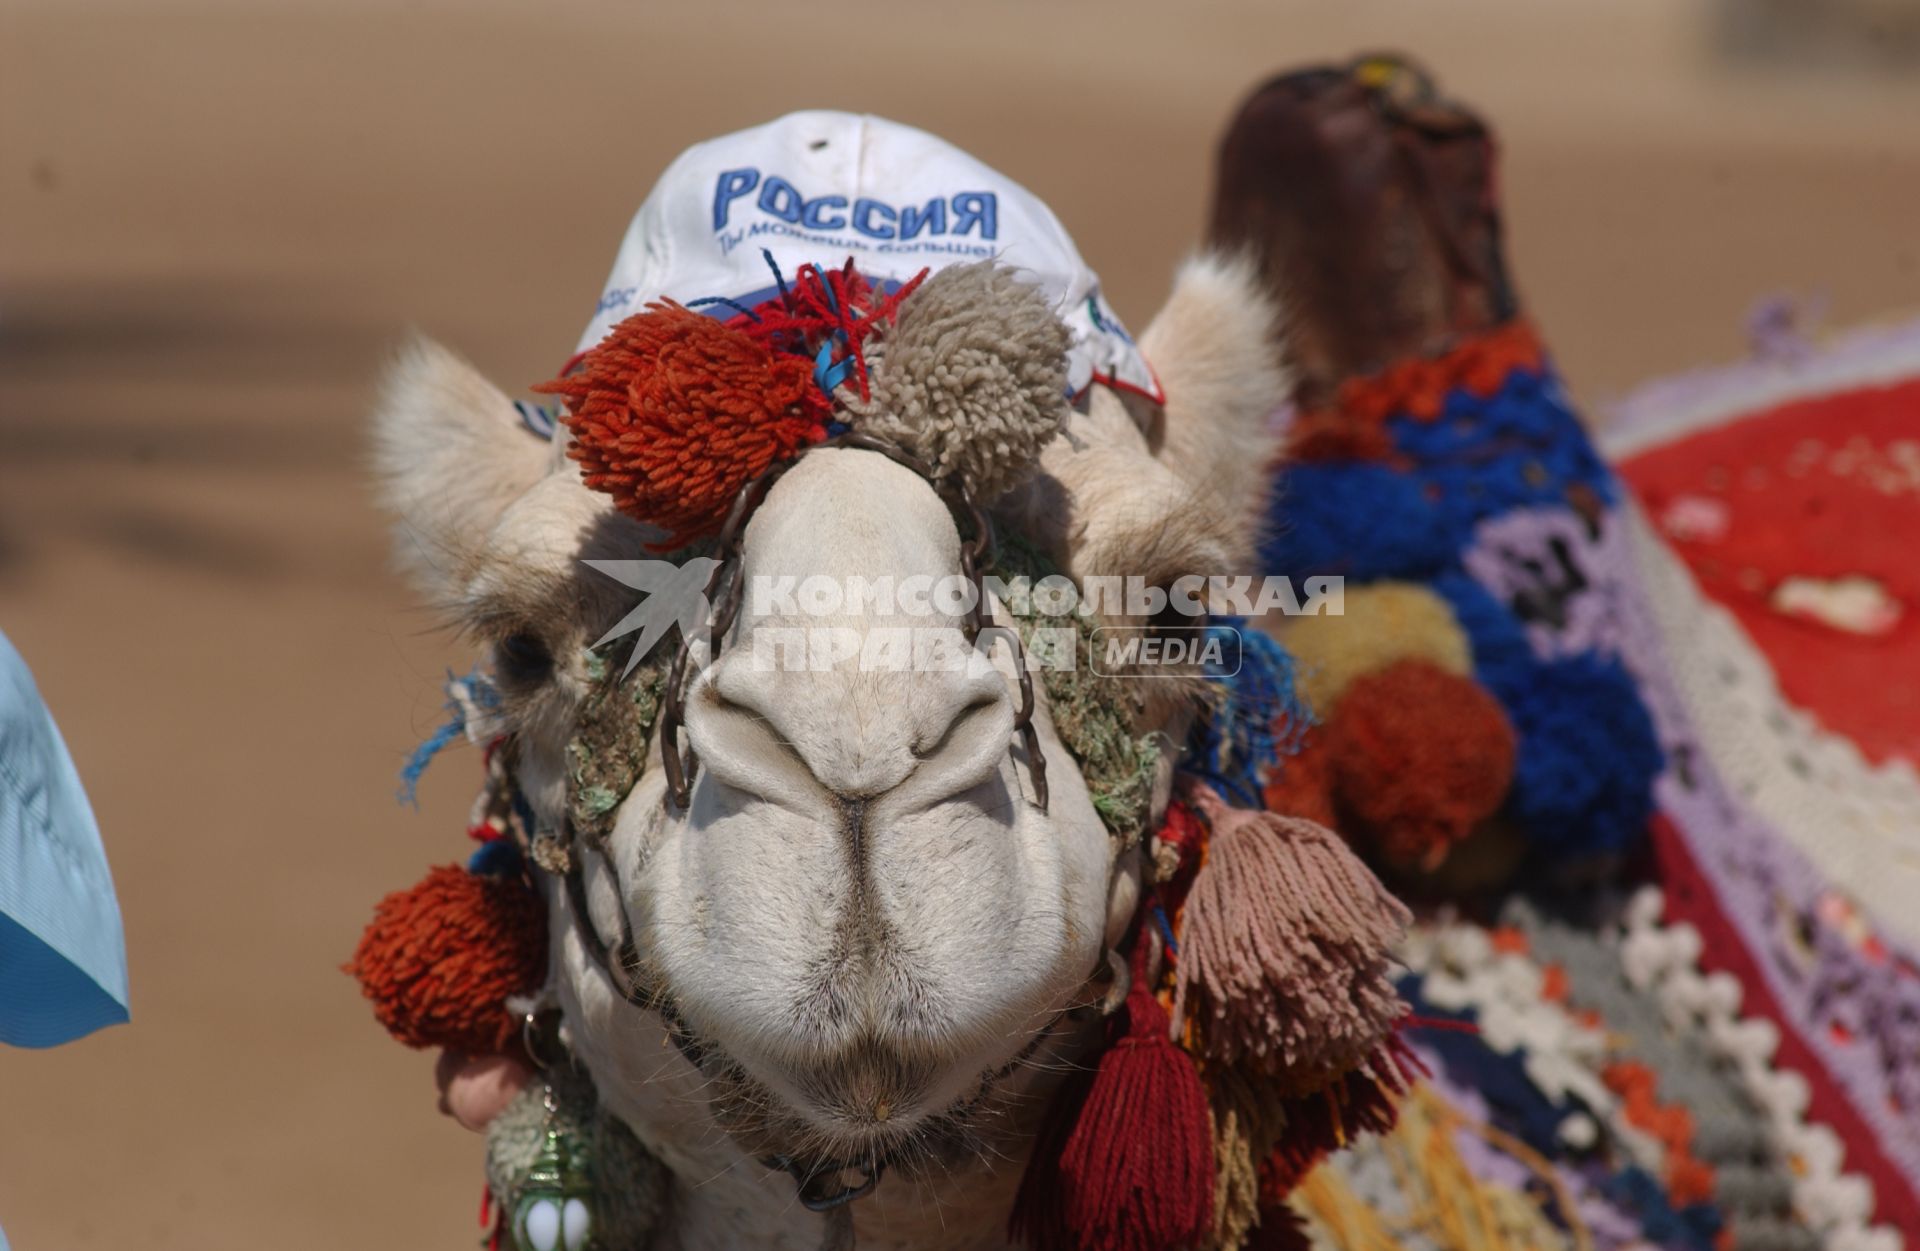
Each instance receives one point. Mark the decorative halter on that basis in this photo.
(679, 416)
(676, 415)
(1252, 1017)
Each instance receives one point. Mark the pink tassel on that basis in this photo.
(1286, 943)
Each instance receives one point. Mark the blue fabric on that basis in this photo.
(1588, 751)
(1357, 520)
(1638, 1191)
(1514, 1102)
(1260, 718)
(1501, 653)
(1588, 755)
(1412, 518)
(1520, 1107)
(1520, 446)
(499, 857)
(63, 957)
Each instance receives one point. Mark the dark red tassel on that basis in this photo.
(1039, 1218)
(1364, 1101)
(1137, 1170)
(1280, 1229)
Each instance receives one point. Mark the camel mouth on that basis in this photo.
(868, 1113)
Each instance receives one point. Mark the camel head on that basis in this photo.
(864, 897)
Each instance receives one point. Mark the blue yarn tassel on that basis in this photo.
(480, 693)
(1261, 716)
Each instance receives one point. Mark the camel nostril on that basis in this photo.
(805, 739)
(930, 745)
(745, 749)
(967, 753)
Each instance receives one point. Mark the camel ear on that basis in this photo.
(449, 455)
(1213, 348)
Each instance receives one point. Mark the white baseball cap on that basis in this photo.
(820, 187)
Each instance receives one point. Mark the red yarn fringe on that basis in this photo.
(672, 413)
(440, 959)
(835, 305)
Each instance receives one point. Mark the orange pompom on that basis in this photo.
(672, 413)
(439, 960)
(1418, 756)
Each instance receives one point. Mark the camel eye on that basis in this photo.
(1171, 619)
(523, 659)
(1175, 618)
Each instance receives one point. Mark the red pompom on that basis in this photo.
(439, 960)
(1136, 1173)
(1299, 786)
(672, 413)
(1419, 756)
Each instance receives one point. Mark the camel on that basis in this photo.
(845, 921)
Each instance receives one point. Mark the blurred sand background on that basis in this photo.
(215, 221)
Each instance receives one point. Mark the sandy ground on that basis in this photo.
(213, 224)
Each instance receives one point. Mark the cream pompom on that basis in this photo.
(970, 376)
